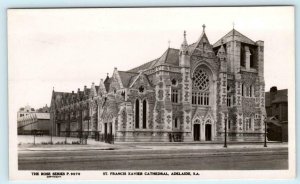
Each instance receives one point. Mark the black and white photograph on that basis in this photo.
(151, 93)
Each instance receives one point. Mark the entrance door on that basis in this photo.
(105, 129)
(110, 128)
(196, 132)
(58, 130)
(208, 132)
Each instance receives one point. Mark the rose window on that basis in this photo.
(200, 94)
(201, 80)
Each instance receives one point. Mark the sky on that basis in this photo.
(70, 48)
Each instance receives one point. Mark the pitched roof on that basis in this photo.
(126, 77)
(236, 35)
(107, 83)
(143, 66)
(169, 57)
(97, 88)
(281, 96)
(42, 115)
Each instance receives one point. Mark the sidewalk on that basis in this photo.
(162, 147)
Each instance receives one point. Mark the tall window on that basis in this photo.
(248, 124)
(242, 58)
(176, 122)
(174, 96)
(200, 95)
(252, 64)
(229, 100)
(144, 114)
(137, 114)
(242, 89)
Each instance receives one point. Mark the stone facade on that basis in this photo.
(187, 94)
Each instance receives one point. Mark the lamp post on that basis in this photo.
(34, 137)
(51, 133)
(265, 142)
(225, 134)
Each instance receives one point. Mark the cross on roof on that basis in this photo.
(203, 27)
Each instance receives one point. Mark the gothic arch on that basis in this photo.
(207, 67)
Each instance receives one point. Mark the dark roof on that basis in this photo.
(281, 96)
(126, 77)
(97, 88)
(237, 36)
(107, 83)
(143, 66)
(169, 57)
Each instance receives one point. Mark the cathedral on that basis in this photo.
(194, 93)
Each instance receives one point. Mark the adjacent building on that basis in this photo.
(186, 94)
(25, 111)
(277, 110)
(32, 121)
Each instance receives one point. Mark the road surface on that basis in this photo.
(184, 159)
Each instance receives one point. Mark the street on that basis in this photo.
(156, 159)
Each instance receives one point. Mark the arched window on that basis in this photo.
(252, 64)
(137, 114)
(144, 114)
(174, 96)
(201, 80)
(242, 89)
(251, 92)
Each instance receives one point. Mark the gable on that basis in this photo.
(234, 35)
(202, 47)
(141, 80)
(115, 82)
(126, 77)
(101, 89)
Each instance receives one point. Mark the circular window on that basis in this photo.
(141, 89)
(201, 80)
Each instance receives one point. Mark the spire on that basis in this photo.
(184, 45)
(203, 26)
(107, 76)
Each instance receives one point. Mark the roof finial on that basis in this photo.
(169, 42)
(53, 88)
(184, 34)
(233, 25)
(107, 74)
(203, 26)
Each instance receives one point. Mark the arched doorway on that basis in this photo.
(196, 132)
(208, 132)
